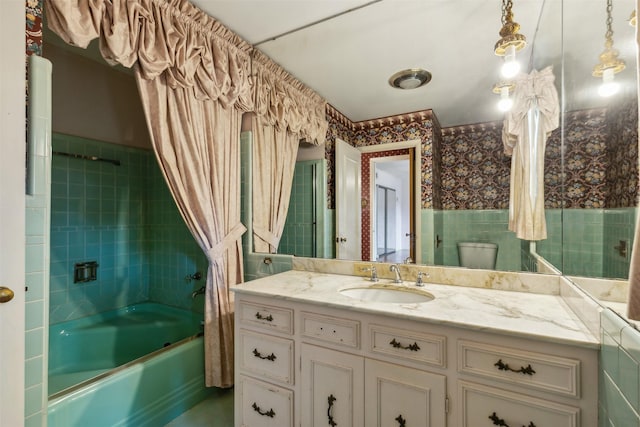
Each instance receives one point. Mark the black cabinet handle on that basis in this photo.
(528, 370)
(412, 347)
(268, 413)
(401, 421)
(500, 422)
(268, 318)
(270, 357)
(331, 399)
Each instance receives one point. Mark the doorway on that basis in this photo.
(391, 222)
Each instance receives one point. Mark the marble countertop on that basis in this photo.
(522, 314)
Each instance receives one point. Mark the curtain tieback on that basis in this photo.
(266, 235)
(227, 242)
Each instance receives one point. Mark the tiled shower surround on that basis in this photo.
(124, 218)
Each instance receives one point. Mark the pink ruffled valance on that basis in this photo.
(173, 37)
(193, 50)
(284, 102)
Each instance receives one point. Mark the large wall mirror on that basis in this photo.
(591, 175)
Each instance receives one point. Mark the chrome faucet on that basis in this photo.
(396, 270)
(374, 273)
(198, 292)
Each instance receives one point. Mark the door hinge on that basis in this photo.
(446, 405)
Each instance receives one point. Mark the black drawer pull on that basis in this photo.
(270, 357)
(412, 347)
(401, 421)
(500, 422)
(268, 413)
(268, 318)
(331, 399)
(528, 370)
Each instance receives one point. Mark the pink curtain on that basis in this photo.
(194, 79)
(287, 111)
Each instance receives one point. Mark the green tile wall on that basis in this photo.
(619, 380)
(97, 214)
(480, 226)
(551, 247)
(303, 233)
(37, 301)
(123, 217)
(172, 251)
(589, 240)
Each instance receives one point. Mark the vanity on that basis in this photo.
(321, 349)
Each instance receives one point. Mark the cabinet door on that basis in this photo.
(402, 397)
(332, 388)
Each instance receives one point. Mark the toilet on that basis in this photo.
(477, 255)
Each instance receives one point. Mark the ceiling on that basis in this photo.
(346, 50)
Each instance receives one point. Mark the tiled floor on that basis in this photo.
(215, 411)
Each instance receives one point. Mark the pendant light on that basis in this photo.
(504, 89)
(609, 64)
(510, 41)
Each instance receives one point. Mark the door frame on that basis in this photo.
(374, 184)
(416, 146)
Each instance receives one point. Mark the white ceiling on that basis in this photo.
(349, 58)
(348, 49)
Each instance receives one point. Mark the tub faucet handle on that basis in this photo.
(200, 291)
(195, 276)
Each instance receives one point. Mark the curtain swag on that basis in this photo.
(195, 51)
(284, 102)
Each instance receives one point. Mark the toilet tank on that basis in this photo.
(477, 255)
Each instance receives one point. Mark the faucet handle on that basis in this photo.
(374, 272)
(419, 278)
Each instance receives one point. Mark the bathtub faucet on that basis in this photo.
(198, 292)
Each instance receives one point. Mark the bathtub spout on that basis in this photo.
(198, 292)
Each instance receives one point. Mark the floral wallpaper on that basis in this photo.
(585, 159)
(34, 27)
(417, 125)
(622, 154)
(475, 171)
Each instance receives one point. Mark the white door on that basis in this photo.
(12, 208)
(348, 227)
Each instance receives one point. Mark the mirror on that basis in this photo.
(589, 195)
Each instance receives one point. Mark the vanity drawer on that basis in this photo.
(409, 345)
(486, 406)
(266, 317)
(331, 329)
(267, 356)
(534, 370)
(260, 404)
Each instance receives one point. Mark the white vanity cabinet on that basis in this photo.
(307, 365)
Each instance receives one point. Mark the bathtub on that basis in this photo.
(141, 365)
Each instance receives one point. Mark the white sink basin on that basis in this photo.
(387, 293)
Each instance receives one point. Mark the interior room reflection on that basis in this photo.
(590, 164)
